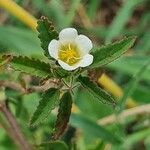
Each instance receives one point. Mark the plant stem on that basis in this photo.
(14, 129)
(126, 113)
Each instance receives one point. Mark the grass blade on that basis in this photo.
(132, 85)
(93, 129)
(121, 18)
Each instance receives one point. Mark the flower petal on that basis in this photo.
(84, 43)
(86, 60)
(68, 34)
(53, 48)
(66, 66)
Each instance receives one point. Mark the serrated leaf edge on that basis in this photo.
(30, 124)
(25, 57)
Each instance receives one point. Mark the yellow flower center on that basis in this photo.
(69, 53)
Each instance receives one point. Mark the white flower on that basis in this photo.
(71, 50)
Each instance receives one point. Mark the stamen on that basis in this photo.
(69, 53)
(69, 47)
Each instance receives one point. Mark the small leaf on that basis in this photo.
(96, 91)
(46, 33)
(94, 130)
(109, 53)
(31, 66)
(54, 145)
(63, 115)
(47, 103)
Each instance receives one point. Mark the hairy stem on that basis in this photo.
(14, 129)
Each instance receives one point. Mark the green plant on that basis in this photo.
(63, 83)
(101, 103)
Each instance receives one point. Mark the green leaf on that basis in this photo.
(63, 115)
(21, 41)
(55, 145)
(93, 129)
(86, 103)
(47, 103)
(109, 53)
(46, 33)
(31, 66)
(96, 91)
